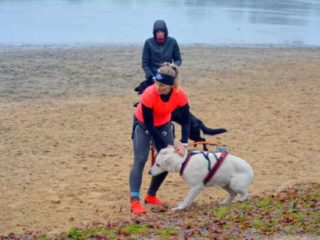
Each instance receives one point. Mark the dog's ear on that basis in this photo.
(165, 152)
(169, 153)
(166, 149)
(167, 161)
(170, 147)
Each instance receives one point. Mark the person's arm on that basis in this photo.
(146, 59)
(155, 134)
(181, 149)
(185, 124)
(176, 54)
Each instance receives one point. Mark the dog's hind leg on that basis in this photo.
(231, 196)
(243, 196)
(193, 192)
(239, 185)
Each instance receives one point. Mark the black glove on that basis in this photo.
(150, 80)
(144, 84)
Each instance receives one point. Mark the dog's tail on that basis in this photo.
(212, 131)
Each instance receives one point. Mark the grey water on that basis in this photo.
(216, 22)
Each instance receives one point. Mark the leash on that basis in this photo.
(220, 147)
(197, 143)
(153, 154)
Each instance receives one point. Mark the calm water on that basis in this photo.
(288, 22)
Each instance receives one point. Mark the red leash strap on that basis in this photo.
(153, 156)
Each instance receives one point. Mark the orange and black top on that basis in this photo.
(154, 110)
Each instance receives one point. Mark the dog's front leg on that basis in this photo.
(193, 192)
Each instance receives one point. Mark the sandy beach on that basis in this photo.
(66, 115)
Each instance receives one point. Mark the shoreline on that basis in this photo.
(35, 46)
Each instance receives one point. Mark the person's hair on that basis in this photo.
(171, 70)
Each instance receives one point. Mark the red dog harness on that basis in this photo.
(212, 170)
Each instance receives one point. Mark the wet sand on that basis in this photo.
(65, 126)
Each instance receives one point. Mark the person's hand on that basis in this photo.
(165, 64)
(181, 149)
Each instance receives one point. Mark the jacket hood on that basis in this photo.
(160, 25)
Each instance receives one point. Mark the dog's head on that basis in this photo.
(164, 161)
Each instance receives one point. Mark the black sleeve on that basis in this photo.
(155, 134)
(185, 123)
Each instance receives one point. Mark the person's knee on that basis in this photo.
(139, 162)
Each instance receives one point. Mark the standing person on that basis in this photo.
(158, 50)
(164, 50)
(152, 122)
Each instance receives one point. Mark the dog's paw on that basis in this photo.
(225, 201)
(242, 199)
(176, 209)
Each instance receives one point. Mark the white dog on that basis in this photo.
(234, 175)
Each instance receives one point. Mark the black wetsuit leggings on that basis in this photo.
(141, 147)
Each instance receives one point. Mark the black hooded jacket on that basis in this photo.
(154, 54)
